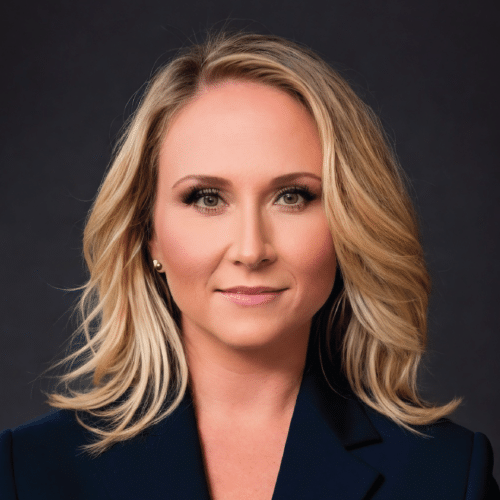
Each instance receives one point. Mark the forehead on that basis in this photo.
(240, 125)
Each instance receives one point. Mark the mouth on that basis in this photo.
(255, 290)
(246, 299)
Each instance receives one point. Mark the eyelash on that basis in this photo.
(198, 192)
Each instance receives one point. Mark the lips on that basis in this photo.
(252, 296)
(254, 290)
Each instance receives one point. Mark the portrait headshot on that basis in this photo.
(274, 287)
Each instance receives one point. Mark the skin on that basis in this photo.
(245, 363)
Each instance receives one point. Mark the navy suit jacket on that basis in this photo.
(337, 448)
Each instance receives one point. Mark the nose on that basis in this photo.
(251, 244)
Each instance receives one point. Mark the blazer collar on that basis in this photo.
(166, 461)
(316, 462)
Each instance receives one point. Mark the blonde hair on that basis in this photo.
(376, 318)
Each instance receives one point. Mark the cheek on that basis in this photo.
(186, 255)
(314, 258)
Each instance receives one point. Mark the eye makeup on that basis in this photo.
(197, 192)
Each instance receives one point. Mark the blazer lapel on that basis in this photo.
(316, 462)
(166, 461)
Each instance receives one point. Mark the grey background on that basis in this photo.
(70, 71)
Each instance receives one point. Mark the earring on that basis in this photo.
(157, 265)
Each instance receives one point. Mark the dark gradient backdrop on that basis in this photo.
(70, 76)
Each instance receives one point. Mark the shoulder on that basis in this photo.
(450, 457)
(443, 434)
(48, 423)
(44, 454)
(56, 432)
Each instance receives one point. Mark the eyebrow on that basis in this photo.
(222, 182)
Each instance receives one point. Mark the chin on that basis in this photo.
(249, 338)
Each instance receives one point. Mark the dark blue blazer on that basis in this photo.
(337, 448)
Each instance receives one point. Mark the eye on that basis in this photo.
(291, 197)
(209, 196)
(295, 198)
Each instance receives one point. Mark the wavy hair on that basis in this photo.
(128, 343)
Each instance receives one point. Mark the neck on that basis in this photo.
(251, 387)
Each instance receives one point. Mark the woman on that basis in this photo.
(256, 308)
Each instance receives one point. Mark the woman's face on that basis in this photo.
(249, 228)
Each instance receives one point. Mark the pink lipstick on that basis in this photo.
(251, 299)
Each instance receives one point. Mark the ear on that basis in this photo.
(154, 252)
(153, 249)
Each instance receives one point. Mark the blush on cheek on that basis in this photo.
(186, 257)
(320, 260)
(181, 256)
(317, 242)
